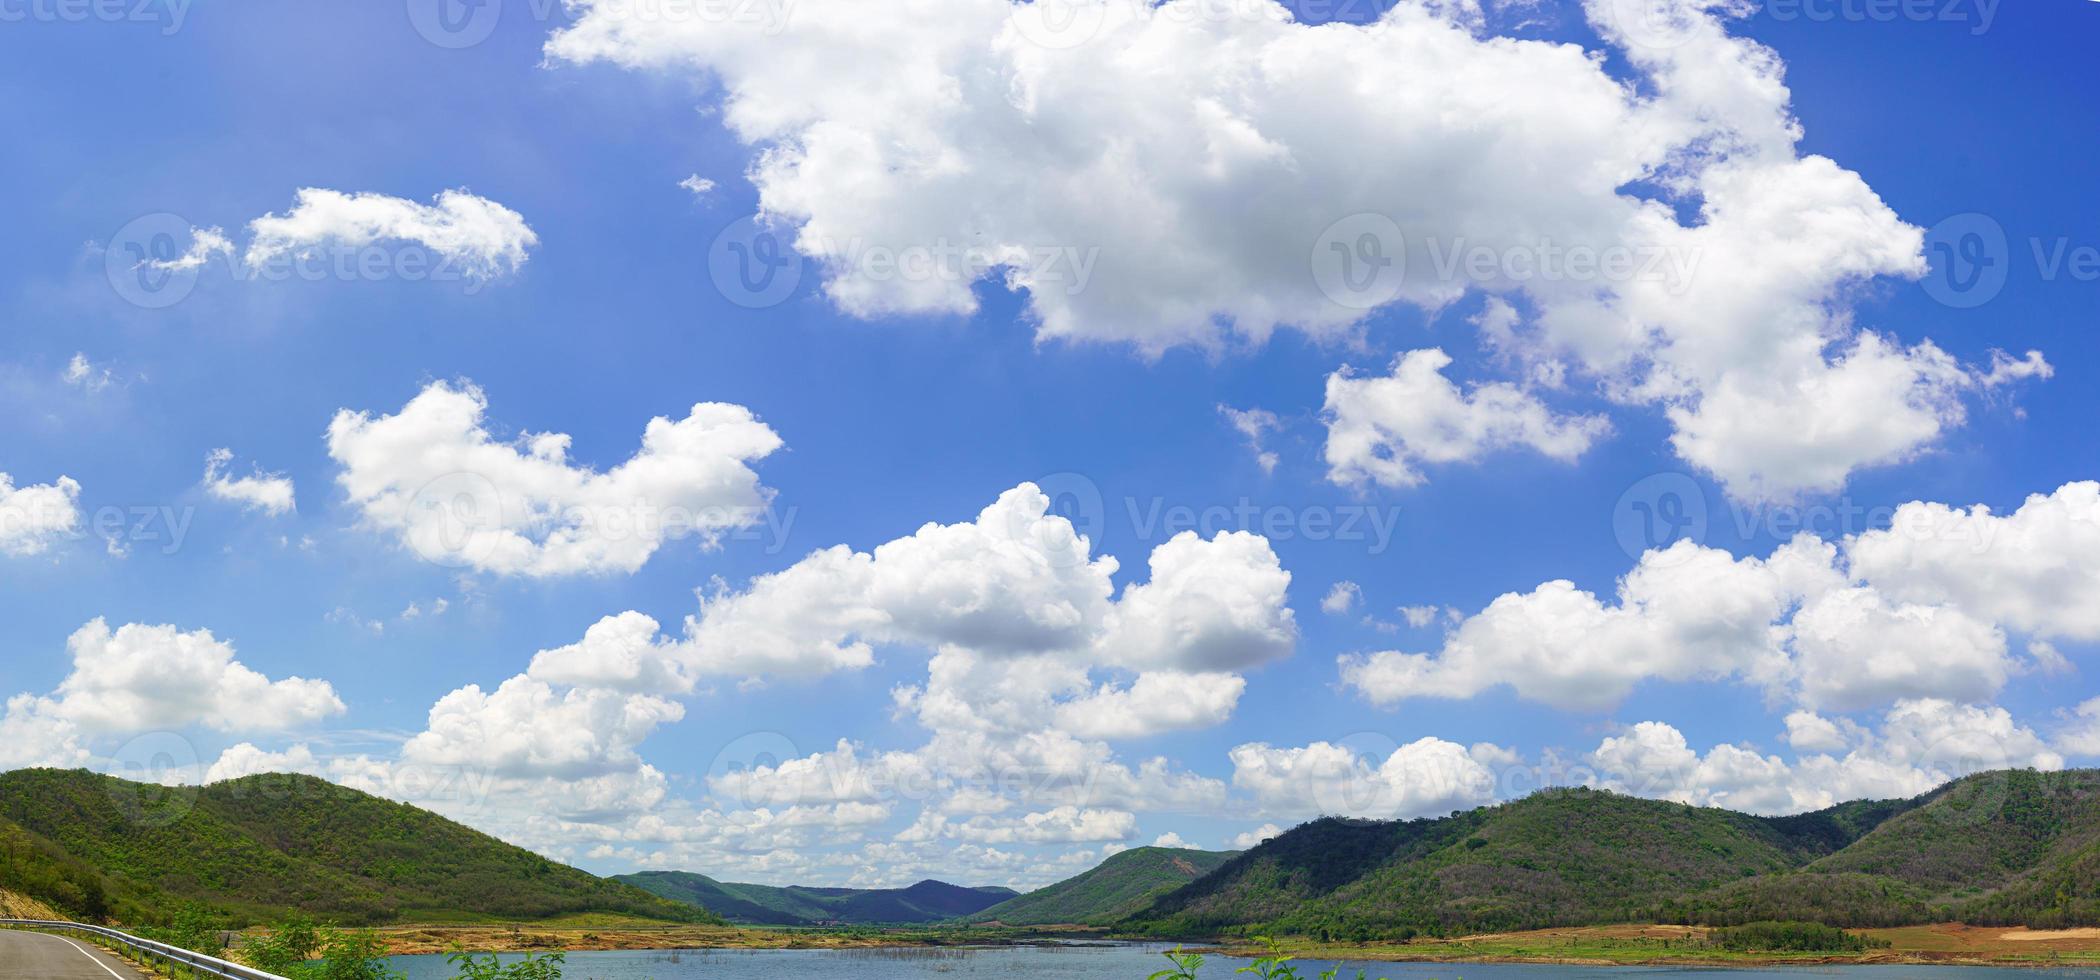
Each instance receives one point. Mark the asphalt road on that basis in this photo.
(41, 956)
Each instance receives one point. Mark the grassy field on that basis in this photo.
(1634, 944)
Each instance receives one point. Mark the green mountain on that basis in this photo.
(1125, 883)
(2000, 848)
(1558, 857)
(253, 848)
(796, 905)
(2012, 847)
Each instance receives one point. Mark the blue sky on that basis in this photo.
(900, 406)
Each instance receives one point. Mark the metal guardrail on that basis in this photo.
(202, 965)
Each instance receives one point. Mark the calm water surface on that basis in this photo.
(1135, 963)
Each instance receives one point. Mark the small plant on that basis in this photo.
(531, 967)
(1275, 964)
(1185, 965)
(347, 956)
(285, 948)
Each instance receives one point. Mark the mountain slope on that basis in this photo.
(1554, 858)
(1998, 847)
(1114, 889)
(255, 847)
(795, 905)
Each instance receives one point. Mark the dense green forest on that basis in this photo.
(253, 848)
(1113, 890)
(794, 905)
(2013, 847)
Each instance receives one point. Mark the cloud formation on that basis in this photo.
(1657, 232)
(449, 490)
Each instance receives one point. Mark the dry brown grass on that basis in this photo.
(17, 906)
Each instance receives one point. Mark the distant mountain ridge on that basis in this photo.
(1114, 889)
(798, 905)
(254, 848)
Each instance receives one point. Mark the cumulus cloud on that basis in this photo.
(1344, 596)
(140, 678)
(1683, 613)
(2035, 569)
(245, 759)
(33, 735)
(1920, 745)
(271, 493)
(2081, 733)
(35, 517)
(1420, 778)
(1016, 583)
(1034, 664)
(927, 136)
(449, 490)
(1255, 837)
(484, 239)
(1385, 430)
(1920, 610)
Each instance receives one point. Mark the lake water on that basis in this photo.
(1131, 963)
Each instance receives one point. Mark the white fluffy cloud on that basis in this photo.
(1385, 430)
(271, 493)
(1920, 744)
(1920, 610)
(484, 239)
(35, 517)
(1683, 613)
(1420, 778)
(436, 477)
(245, 759)
(1344, 596)
(1017, 583)
(2081, 736)
(528, 727)
(1246, 157)
(140, 678)
(31, 735)
(1855, 648)
(1034, 664)
(1255, 837)
(2036, 569)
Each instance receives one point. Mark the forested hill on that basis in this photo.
(796, 905)
(253, 848)
(2001, 848)
(1557, 857)
(1124, 884)
(2012, 847)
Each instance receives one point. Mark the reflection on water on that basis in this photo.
(1127, 962)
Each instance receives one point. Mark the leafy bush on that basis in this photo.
(299, 950)
(531, 967)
